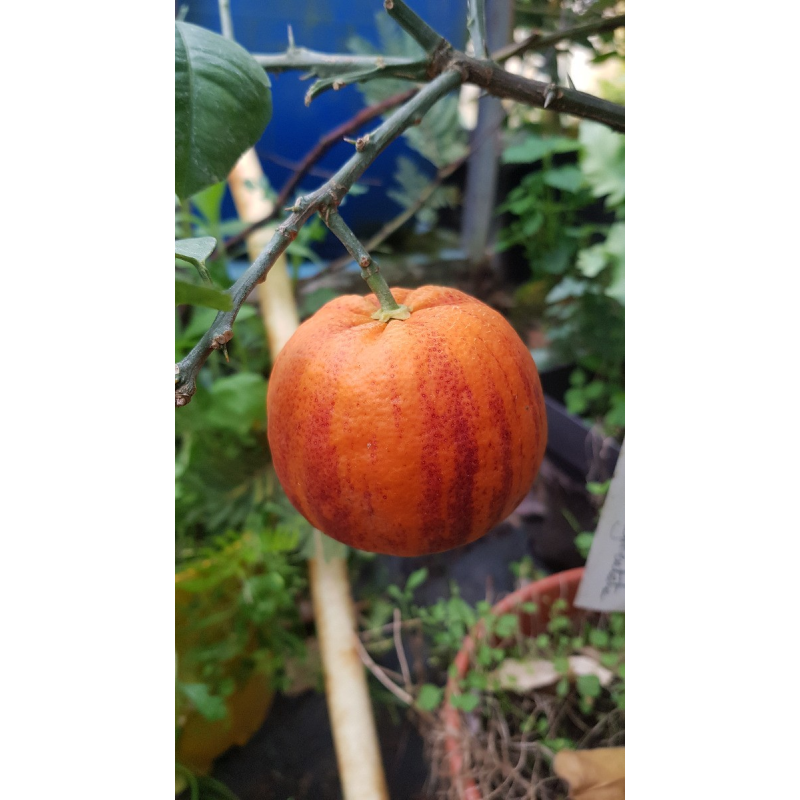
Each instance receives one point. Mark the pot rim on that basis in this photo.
(557, 585)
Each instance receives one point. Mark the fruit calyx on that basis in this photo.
(384, 315)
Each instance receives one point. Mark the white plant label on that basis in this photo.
(603, 585)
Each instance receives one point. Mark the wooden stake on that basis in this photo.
(354, 734)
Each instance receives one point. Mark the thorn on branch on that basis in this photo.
(184, 392)
(336, 192)
(571, 84)
(553, 93)
(289, 233)
(362, 142)
(221, 339)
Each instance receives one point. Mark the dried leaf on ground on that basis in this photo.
(523, 675)
(593, 774)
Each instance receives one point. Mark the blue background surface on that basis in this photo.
(260, 26)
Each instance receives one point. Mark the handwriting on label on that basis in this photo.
(615, 578)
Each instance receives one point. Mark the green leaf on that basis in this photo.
(603, 161)
(465, 702)
(416, 578)
(566, 289)
(237, 403)
(561, 665)
(313, 302)
(210, 706)
(222, 105)
(588, 685)
(583, 543)
(506, 625)
(568, 178)
(535, 148)
(429, 697)
(593, 487)
(195, 251)
(191, 294)
(209, 202)
(592, 260)
(559, 624)
(615, 245)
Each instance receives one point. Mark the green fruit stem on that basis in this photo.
(370, 271)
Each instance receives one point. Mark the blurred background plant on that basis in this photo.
(563, 215)
(568, 218)
(240, 572)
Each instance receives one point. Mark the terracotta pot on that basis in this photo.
(562, 585)
(202, 740)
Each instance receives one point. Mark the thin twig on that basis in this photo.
(315, 154)
(397, 222)
(400, 694)
(376, 633)
(226, 23)
(539, 41)
(477, 27)
(401, 653)
(422, 33)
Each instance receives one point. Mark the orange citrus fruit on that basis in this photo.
(408, 437)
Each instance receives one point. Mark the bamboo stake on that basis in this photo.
(352, 722)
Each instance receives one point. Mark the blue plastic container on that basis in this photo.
(324, 25)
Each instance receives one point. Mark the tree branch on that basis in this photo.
(537, 41)
(502, 83)
(443, 56)
(301, 58)
(415, 26)
(477, 27)
(315, 154)
(336, 71)
(330, 195)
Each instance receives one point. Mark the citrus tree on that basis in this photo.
(223, 103)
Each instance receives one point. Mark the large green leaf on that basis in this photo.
(192, 294)
(222, 105)
(534, 148)
(603, 161)
(196, 250)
